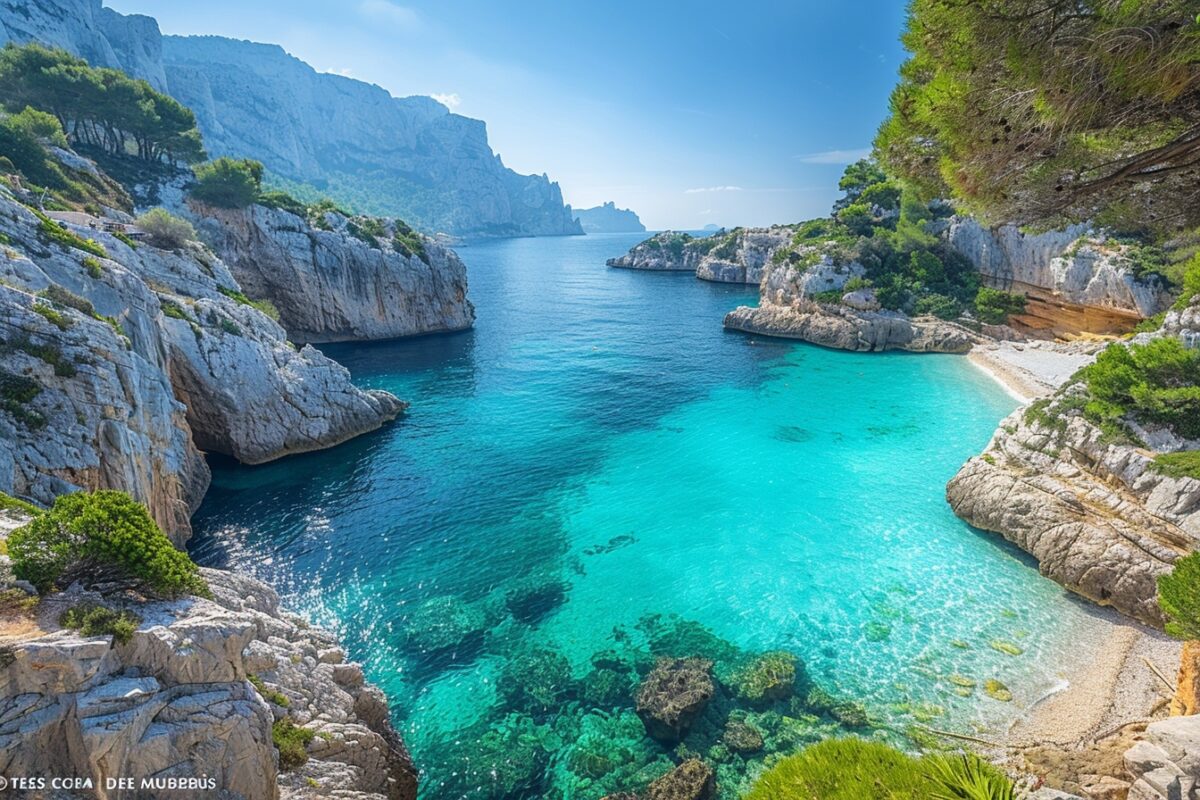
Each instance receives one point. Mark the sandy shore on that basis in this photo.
(1108, 686)
(1028, 370)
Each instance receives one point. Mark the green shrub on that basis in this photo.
(1179, 598)
(1183, 464)
(857, 769)
(93, 267)
(53, 316)
(64, 238)
(100, 533)
(92, 619)
(265, 306)
(292, 743)
(16, 393)
(939, 305)
(270, 695)
(995, 306)
(1155, 382)
(10, 503)
(228, 182)
(282, 201)
(173, 310)
(165, 230)
(62, 296)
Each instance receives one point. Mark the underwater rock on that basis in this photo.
(615, 543)
(741, 737)
(691, 780)
(1006, 647)
(536, 681)
(535, 597)
(507, 759)
(997, 691)
(673, 695)
(445, 627)
(767, 679)
(675, 637)
(847, 712)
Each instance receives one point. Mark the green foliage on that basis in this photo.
(856, 769)
(995, 306)
(10, 503)
(265, 306)
(97, 107)
(85, 534)
(940, 306)
(50, 353)
(1190, 285)
(92, 619)
(173, 310)
(92, 266)
(16, 393)
(1052, 111)
(292, 743)
(53, 316)
(228, 182)
(1179, 598)
(283, 201)
(165, 230)
(408, 242)
(1182, 464)
(58, 234)
(1156, 382)
(270, 695)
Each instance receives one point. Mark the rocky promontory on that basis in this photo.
(122, 358)
(196, 699)
(737, 256)
(336, 278)
(608, 218)
(1095, 511)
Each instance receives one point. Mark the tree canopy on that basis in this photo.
(99, 107)
(1052, 110)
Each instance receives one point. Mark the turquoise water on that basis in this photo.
(598, 451)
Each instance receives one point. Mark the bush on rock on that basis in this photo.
(101, 536)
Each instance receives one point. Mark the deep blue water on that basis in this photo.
(600, 438)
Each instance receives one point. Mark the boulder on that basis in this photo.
(691, 780)
(673, 695)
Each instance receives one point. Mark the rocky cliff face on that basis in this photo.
(1099, 520)
(411, 159)
(787, 310)
(608, 219)
(329, 285)
(1074, 279)
(102, 36)
(192, 697)
(116, 368)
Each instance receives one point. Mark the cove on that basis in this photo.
(599, 469)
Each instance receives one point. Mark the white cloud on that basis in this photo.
(345, 72)
(393, 13)
(706, 189)
(835, 156)
(450, 101)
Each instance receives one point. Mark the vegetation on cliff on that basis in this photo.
(101, 537)
(1045, 112)
(1156, 382)
(99, 108)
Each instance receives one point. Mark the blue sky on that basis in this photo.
(689, 113)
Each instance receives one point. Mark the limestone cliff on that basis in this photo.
(330, 285)
(608, 218)
(192, 696)
(1074, 279)
(1099, 520)
(117, 367)
(411, 159)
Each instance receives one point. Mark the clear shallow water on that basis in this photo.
(599, 430)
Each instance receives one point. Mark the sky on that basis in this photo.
(690, 113)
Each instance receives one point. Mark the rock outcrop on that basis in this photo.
(608, 218)
(190, 700)
(412, 158)
(117, 367)
(673, 695)
(1165, 764)
(738, 256)
(1094, 513)
(329, 285)
(787, 309)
